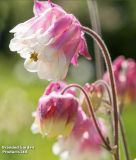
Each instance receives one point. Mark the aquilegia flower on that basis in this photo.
(84, 143)
(125, 77)
(56, 115)
(49, 41)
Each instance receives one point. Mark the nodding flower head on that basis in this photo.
(56, 115)
(125, 78)
(84, 143)
(49, 41)
(95, 94)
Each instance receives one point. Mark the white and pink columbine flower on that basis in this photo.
(84, 143)
(56, 115)
(49, 41)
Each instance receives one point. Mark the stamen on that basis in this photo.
(34, 56)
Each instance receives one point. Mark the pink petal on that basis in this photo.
(71, 51)
(39, 7)
(117, 62)
(67, 36)
(83, 49)
(74, 60)
(61, 25)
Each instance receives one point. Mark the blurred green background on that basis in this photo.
(20, 90)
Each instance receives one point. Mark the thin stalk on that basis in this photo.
(124, 138)
(91, 111)
(108, 62)
(95, 22)
(105, 85)
(122, 129)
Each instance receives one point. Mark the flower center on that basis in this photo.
(34, 56)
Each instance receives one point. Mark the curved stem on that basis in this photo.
(122, 130)
(90, 108)
(105, 85)
(108, 62)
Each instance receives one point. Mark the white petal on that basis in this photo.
(65, 155)
(43, 38)
(34, 114)
(31, 65)
(35, 128)
(44, 71)
(56, 149)
(25, 53)
(16, 28)
(48, 53)
(15, 45)
(23, 27)
(54, 70)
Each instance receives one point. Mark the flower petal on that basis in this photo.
(61, 25)
(83, 50)
(55, 70)
(40, 7)
(31, 65)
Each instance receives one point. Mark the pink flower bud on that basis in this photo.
(56, 114)
(49, 41)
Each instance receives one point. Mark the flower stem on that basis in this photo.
(105, 85)
(91, 111)
(122, 129)
(108, 62)
(124, 138)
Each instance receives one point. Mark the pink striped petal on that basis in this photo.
(71, 51)
(83, 49)
(61, 25)
(66, 37)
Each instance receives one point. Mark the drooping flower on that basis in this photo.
(125, 78)
(49, 41)
(95, 94)
(55, 115)
(84, 143)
